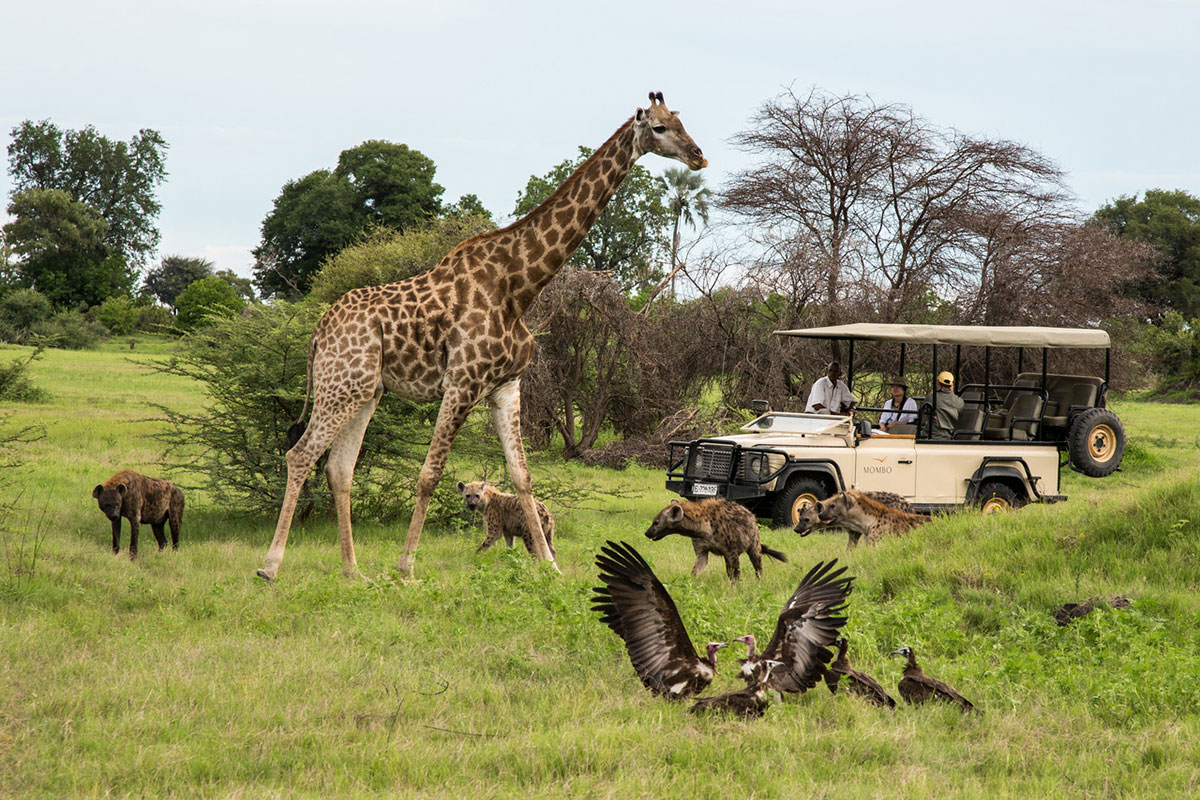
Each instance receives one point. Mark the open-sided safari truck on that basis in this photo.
(1004, 452)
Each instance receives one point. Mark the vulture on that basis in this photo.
(806, 627)
(635, 604)
(750, 702)
(916, 687)
(858, 683)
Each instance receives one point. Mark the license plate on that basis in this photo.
(705, 489)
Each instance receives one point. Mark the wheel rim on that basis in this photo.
(1102, 443)
(802, 502)
(996, 505)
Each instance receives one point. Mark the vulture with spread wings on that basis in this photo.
(635, 604)
(807, 626)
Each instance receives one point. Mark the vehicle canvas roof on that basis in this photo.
(978, 335)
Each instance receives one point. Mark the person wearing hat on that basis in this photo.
(948, 406)
(829, 395)
(900, 409)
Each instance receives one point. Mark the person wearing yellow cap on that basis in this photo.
(948, 406)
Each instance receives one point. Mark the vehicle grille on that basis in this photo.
(711, 463)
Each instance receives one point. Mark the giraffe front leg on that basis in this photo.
(506, 415)
(339, 471)
(456, 404)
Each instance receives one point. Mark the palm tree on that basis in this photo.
(687, 199)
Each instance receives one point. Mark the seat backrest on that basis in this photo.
(1014, 394)
(970, 423)
(972, 397)
(1081, 394)
(1027, 405)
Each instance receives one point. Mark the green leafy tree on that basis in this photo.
(376, 183)
(119, 180)
(468, 205)
(243, 286)
(629, 237)
(1169, 220)
(62, 249)
(118, 314)
(385, 255)
(206, 298)
(174, 274)
(20, 310)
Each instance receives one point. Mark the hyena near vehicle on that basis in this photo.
(503, 516)
(715, 526)
(140, 499)
(860, 515)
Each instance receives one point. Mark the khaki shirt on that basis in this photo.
(949, 407)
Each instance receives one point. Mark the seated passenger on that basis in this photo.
(900, 408)
(829, 395)
(948, 407)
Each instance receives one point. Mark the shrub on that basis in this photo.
(20, 310)
(15, 384)
(70, 330)
(154, 319)
(118, 314)
(204, 301)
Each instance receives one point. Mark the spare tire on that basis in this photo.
(1096, 442)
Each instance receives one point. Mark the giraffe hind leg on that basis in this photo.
(339, 471)
(506, 416)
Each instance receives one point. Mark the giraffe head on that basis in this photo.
(657, 129)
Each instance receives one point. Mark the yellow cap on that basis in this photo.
(945, 379)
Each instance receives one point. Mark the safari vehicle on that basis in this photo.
(1009, 445)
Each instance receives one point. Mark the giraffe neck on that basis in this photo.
(548, 235)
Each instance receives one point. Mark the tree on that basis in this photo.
(173, 275)
(206, 298)
(628, 239)
(873, 201)
(1170, 221)
(687, 199)
(116, 179)
(376, 183)
(243, 286)
(62, 249)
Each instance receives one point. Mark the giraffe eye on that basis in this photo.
(659, 129)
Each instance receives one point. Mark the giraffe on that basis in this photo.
(456, 332)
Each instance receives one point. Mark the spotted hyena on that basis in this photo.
(715, 526)
(860, 515)
(502, 516)
(809, 519)
(140, 499)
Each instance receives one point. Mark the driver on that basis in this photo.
(829, 395)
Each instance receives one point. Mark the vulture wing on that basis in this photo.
(635, 604)
(806, 628)
(864, 685)
(923, 687)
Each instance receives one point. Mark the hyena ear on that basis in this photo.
(461, 486)
(121, 489)
(675, 513)
(483, 486)
(96, 492)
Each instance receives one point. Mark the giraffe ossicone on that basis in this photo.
(456, 333)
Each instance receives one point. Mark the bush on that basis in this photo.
(15, 384)
(206, 300)
(118, 314)
(254, 371)
(386, 256)
(20, 310)
(154, 319)
(70, 330)
(1173, 346)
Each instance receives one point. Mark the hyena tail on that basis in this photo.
(775, 554)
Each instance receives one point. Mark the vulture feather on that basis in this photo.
(916, 687)
(807, 626)
(750, 702)
(858, 683)
(635, 604)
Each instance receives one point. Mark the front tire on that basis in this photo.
(799, 494)
(998, 498)
(1096, 442)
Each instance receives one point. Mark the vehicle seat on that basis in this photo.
(1079, 395)
(903, 429)
(970, 424)
(1025, 417)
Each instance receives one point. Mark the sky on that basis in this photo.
(253, 93)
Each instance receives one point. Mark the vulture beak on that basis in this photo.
(903, 651)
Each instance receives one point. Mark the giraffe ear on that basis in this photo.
(640, 115)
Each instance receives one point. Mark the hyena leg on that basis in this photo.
(175, 518)
(116, 532)
(733, 566)
(493, 533)
(134, 529)
(755, 554)
(548, 530)
(160, 532)
(701, 558)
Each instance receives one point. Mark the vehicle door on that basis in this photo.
(886, 464)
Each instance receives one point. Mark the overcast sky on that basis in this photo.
(254, 93)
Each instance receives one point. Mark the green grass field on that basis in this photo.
(181, 674)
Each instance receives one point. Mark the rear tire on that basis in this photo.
(799, 493)
(1096, 442)
(996, 497)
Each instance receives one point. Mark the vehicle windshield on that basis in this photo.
(794, 423)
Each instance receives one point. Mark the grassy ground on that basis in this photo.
(181, 674)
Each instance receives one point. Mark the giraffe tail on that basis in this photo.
(297, 428)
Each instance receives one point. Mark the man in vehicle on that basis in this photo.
(949, 407)
(900, 409)
(829, 395)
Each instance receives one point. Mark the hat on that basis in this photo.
(945, 379)
(898, 380)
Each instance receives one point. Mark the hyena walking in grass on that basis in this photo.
(503, 516)
(715, 526)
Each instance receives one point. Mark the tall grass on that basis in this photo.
(181, 674)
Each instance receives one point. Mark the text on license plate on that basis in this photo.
(704, 489)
